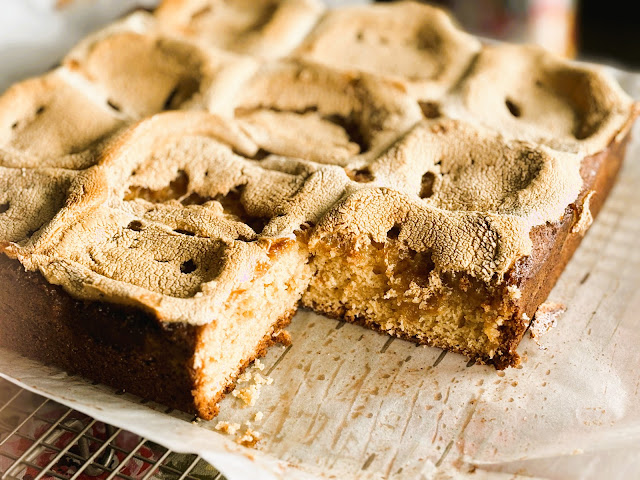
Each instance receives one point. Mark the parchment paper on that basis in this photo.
(350, 403)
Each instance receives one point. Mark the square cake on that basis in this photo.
(186, 178)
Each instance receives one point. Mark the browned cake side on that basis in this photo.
(119, 346)
(554, 244)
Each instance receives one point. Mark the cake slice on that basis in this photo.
(151, 271)
(474, 213)
(462, 263)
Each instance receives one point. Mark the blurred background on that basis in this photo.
(35, 34)
(603, 31)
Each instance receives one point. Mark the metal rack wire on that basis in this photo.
(42, 439)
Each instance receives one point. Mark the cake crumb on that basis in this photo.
(586, 218)
(514, 292)
(249, 438)
(227, 427)
(258, 365)
(258, 416)
(260, 380)
(545, 318)
(249, 395)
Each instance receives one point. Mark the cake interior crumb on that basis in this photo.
(400, 291)
(227, 427)
(249, 438)
(250, 393)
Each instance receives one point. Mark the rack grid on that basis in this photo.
(42, 439)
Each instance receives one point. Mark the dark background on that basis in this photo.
(607, 31)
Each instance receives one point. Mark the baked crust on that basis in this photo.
(461, 189)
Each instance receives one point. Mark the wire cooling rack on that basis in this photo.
(42, 439)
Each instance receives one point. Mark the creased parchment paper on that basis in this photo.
(350, 403)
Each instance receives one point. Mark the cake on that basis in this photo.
(186, 178)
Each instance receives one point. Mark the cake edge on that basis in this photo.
(532, 276)
(554, 244)
(123, 347)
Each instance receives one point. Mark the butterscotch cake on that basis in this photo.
(186, 178)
